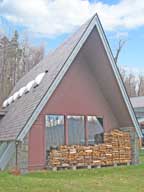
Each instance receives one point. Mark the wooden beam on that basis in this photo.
(65, 130)
(86, 130)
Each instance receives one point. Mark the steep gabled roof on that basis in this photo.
(24, 111)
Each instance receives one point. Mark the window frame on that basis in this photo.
(66, 129)
(46, 127)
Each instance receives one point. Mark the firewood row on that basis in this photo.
(116, 149)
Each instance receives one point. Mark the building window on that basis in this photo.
(54, 131)
(76, 130)
(95, 130)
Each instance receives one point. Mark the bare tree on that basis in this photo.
(134, 82)
(121, 44)
(15, 61)
(140, 85)
(130, 84)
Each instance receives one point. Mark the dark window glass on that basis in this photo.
(54, 131)
(76, 130)
(95, 130)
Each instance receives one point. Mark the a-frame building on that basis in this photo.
(79, 80)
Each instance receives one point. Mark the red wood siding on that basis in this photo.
(37, 144)
(77, 94)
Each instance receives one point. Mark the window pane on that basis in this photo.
(95, 130)
(54, 130)
(76, 130)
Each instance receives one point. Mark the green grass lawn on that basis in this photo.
(124, 179)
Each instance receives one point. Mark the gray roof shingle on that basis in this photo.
(19, 112)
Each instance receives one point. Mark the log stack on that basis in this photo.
(121, 146)
(116, 149)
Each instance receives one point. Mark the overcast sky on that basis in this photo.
(51, 21)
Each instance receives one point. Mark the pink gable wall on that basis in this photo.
(78, 93)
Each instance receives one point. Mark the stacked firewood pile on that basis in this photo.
(121, 146)
(115, 150)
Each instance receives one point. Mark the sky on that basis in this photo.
(50, 22)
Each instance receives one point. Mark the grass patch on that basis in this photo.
(101, 180)
(142, 156)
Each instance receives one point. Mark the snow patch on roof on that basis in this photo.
(39, 78)
(25, 89)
